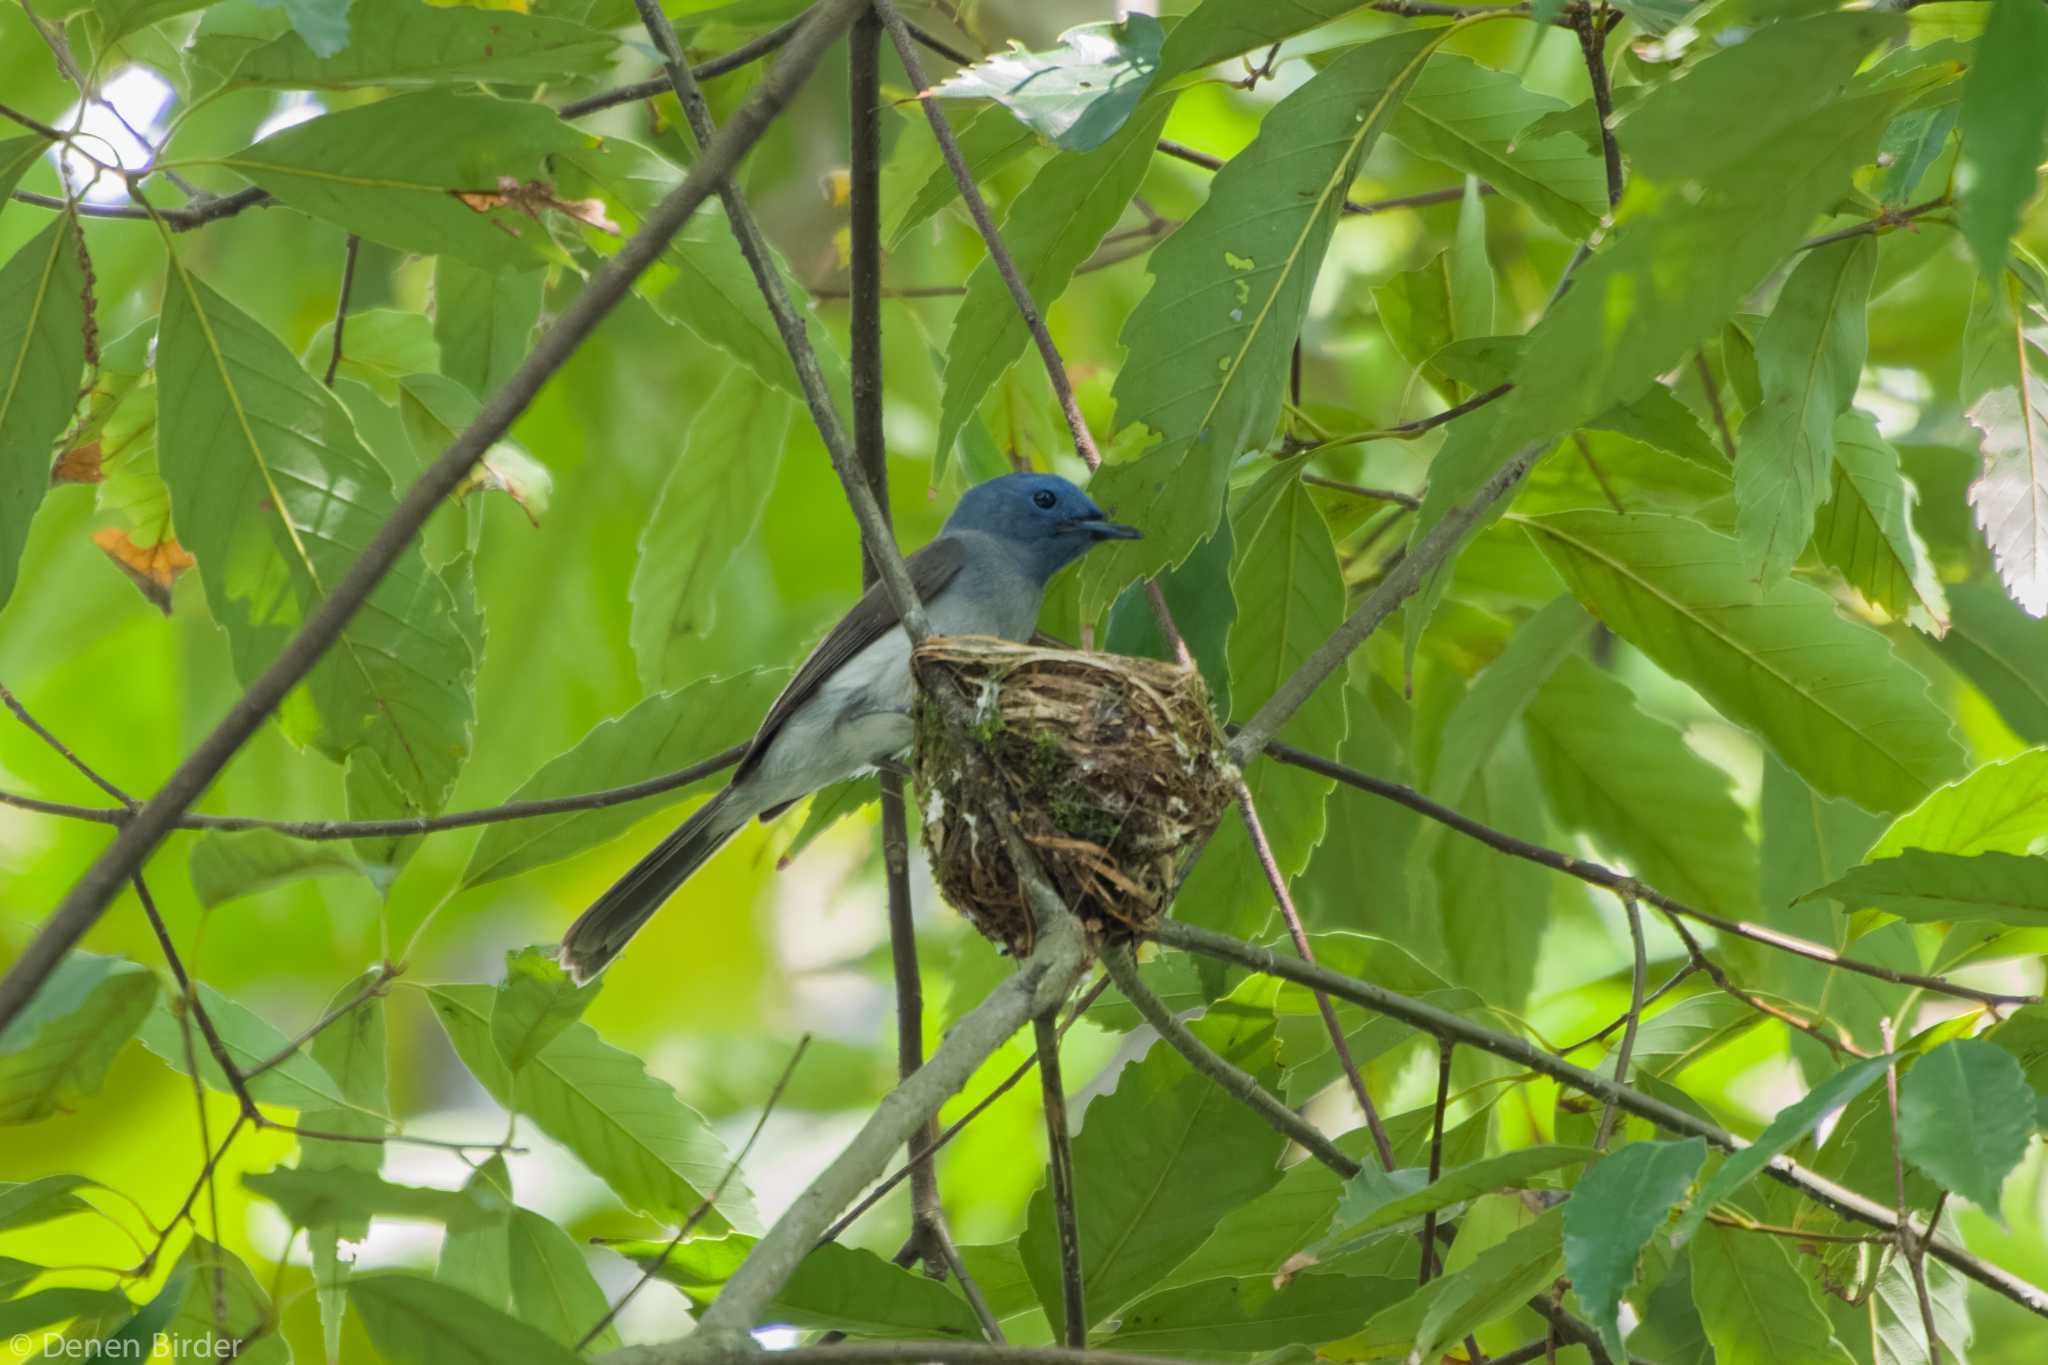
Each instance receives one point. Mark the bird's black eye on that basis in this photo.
(1044, 497)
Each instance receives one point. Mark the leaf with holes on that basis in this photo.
(1078, 92)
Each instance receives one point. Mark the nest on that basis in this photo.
(1110, 767)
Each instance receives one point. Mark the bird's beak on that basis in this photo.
(1102, 528)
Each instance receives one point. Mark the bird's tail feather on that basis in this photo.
(601, 931)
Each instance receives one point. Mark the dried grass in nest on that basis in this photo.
(1110, 767)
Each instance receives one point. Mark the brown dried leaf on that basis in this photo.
(80, 464)
(154, 568)
(533, 196)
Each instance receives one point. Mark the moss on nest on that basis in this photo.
(1110, 767)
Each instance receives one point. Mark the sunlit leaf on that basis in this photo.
(1925, 887)
(297, 1082)
(2011, 496)
(415, 1321)
(1757, 1305)
(989, 141)
(57, 1050)
(405, 42)
(1966, 1114)
(1611, 1216)
(1501, 1279)
(535, 1002)
(834, 1287)
(232, 863)
(1865, 530)
(2005, 128)
(2001, 806)
(1079, 91)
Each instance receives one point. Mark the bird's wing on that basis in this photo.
(931, 569)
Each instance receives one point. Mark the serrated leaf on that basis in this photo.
(42, 354)
(988, 142)
(1050, 229)
(1809, 358)
(655, 1152)
(1926, 887)
(706, 511)
(535, 1002)
(298, 1082)
(1207, 354)
(2001, 650)
(2001, 806)
(226, 864)
(1250, 1314)
(404, 42)
(1287, 560)
(1078, 92)
(1611, 1216)
(1828, 695)
(369, 171)
(1201, 1154)
(835, 1287)
(57, 1050)
(1757, 1306)
(1865, 530)
(667, 731)
(1630, 782)
(2011, 495)
(1467, 116)
(415, 1321)
(1966, 1113)
(276, 495)
(2005, 128)
(1793, 1124)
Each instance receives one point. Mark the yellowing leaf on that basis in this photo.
(153, 568)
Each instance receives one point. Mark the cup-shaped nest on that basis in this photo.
(1110, 768)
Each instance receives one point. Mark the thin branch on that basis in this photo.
(1393, 495)
(375, 986)
(704, 1205)
(1444, 1024)
(1060, 1158)
(63, 750)
(88, 898)
(348, 280)
(1444, 1048)
(1612, 1114)
(1592, 31)
(1400, 582)
(1652, 998)
(1884, 221)
(1838, 1045)
(1180, 151)
(747, 52)
(935, 1352)
(977, 208)
(1596, 874)
(202, 210)
(1713, 391)
(34, 125)
(1277, 883)
(1906, 1241)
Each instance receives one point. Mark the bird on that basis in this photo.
(847, 709)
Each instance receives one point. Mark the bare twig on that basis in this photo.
(1612, 1113)
(348, 280)
(1422, 199)
(1719, 976)
(63, 750)
(139, 836)
(1592, 31)
(1060, 1158)
(1909, 1247)
(704, 1205)
(1444, 1049)
(750, 51)
(1393, 495)
(1712, 387)
(374, 987)
(1690, 966)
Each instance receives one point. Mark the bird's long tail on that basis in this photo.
(601, 931)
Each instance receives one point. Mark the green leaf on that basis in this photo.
(275, 494)
(298, 1082)
(1757, 1306)
(1925, 887)
(1809, 358)
(2000, 649)
(404, 42)
(483, 320)
(42, 354)
(655, 1152)
(989, 141)
(1250, 1314)
(20, 1316)
(351, 1050)
(535, 1002)
(1078, 92)
(1865, 531)
(2011, 495)
(1499, 1280)
(1415, 309)
(1631, 782)
(1156, 1163)
(1467, 116)
(414, 1321)
(1472, 286)
(1223, 28)
(835, 1287)
(1792, 1125)
(1828, 695)
(1050, 229)
(369, 171)
(2001, 806)
(707, 510)
(17, 155)
(313, 1198)
(1208, 356)
(552, 1286)
(1965, 1115)
(223, 1303)
(1375, 1199)
(476, 1253)
(667, 731)
(58, 1049)
(1898, 1329)
(2005, 128)
(226, 864)
(24, 1204)
(1611, 1216)
(1198, 594)
(1286, 559)
(381, 346)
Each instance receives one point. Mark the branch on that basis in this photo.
(1443, 1024)
(879, 1353)
(1592, 31)
(139, 836)
(1596, 874)
(1641, 968)
(348, 281)
(1060, 1159)
(1401, 582)
(740, 56)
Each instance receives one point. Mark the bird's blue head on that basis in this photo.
(1047, 520)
